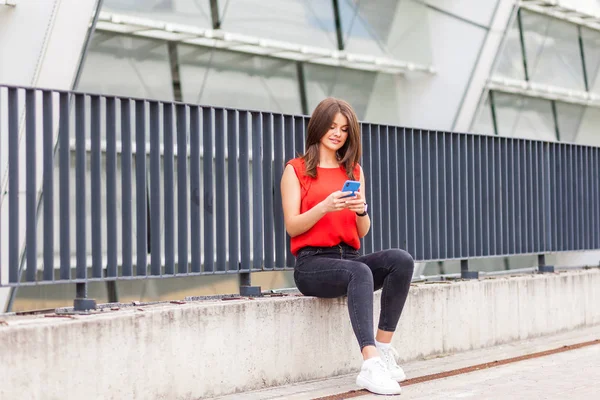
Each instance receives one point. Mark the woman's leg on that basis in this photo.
(392, 270)
(334, 277)
(329, 278)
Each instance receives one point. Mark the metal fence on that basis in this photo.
(127, 188)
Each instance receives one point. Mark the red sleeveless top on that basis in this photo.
(335, 227)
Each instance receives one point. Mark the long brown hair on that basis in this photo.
(320, 123)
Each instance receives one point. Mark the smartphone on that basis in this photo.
(350, 186)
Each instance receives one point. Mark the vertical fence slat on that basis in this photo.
(376, 188)
(267, 189)
(48, 185)
(80, 165)
(525, 188)
(257, 184)
(280, 234)
(221, 205)
(13, 185)
(126, 188)
(504, 191)
(195, 192)
(455, 154)
(577, 194)
(411, 235)
(497, 195)
(31, 188)
(245, 193)
(169, 188)
(385, 187)
(64, 158)
(288, 126)
(96, 181)
(487, 224)
(182, 192)
(140, 184)
(465, 188)
(155, 228)
(477, 183)
(127, 218)
(394, 186)
(232, 189)
(442, 214)
(537, 203)
(111, 187)
(207, 146)
(566, 234)
(429, 144)
(367, 170)
(519, 194)
(420, 183)
(555, 188)
(544, 215)
(596, 170)
(449, 195)
(582, 209)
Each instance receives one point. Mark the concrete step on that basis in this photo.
(549, 376)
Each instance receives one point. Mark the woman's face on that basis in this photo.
(337, 134)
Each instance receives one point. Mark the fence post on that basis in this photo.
(542, 267)
(246, 288)
(81, 302)
(464, 271)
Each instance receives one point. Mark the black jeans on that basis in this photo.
(330, 272)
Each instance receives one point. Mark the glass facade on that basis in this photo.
(544, 51)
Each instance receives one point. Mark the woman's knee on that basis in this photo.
(400, 259)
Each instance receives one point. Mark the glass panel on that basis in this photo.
(588, 129)
(591, 49)
(309, 22)
(478, 11)
(227, 79)
(525, 117)
(356, 87)
(569, 118)
(510, 61)
(483, 123)
(387, 28)
(552, 48)
(127, 66)
(189, 12)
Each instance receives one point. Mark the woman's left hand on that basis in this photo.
(356, 203)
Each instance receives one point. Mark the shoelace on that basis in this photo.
(390, 354)
(381, 367)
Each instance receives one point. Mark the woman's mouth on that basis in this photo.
(334, 141)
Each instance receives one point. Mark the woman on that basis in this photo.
(325, 227)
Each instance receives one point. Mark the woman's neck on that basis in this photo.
(327, 158)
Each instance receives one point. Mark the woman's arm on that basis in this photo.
(296, 223)
(357, 204)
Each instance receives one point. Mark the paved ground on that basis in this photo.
(573, 375)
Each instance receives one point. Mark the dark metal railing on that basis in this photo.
(134, 188)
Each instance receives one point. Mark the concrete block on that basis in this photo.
(210, 348)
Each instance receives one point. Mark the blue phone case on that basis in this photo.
(350, 186)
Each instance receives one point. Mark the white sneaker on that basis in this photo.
(375, 377)
(389, 356)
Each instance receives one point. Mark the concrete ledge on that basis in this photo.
(210, 348)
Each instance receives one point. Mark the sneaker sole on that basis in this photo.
(399, 378)
(366, 384)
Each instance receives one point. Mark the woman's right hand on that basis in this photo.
(334, 201)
